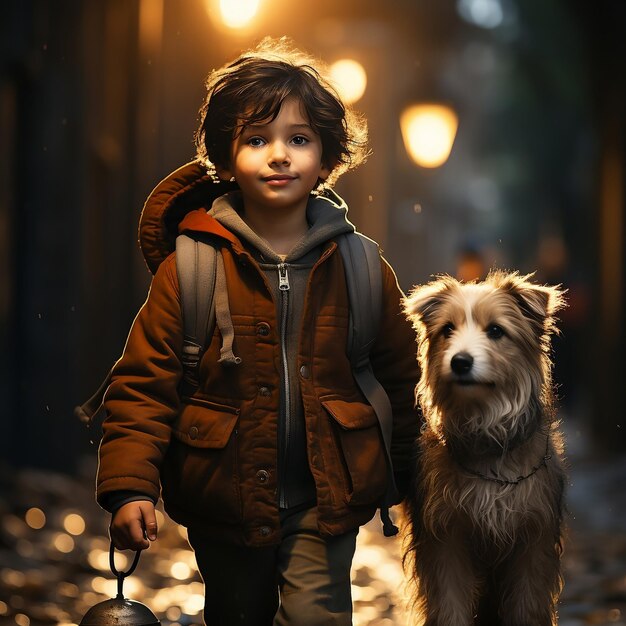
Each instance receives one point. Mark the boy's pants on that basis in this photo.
(312, 572)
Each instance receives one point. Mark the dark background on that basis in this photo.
(99, 101)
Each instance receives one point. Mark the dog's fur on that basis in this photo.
(485, 509)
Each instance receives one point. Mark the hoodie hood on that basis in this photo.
(181, 201)
(327, 218)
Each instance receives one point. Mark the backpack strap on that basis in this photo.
(196, 261)
(364, 281)
(196, 266)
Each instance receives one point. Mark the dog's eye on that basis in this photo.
(494, 331)
(447, 330)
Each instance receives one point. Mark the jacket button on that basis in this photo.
(262, 476)
(193, 432)
(263, 329)
(265, 392)
(265, 531)
(305, 372)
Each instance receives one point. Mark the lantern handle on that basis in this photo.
(121, 575)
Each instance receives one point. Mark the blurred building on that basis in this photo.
(99, 100)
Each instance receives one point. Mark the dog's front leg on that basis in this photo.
(531, 583)
(447, 582)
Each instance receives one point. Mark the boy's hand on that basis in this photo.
(133, 524)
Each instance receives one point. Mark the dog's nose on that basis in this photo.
(461, 363)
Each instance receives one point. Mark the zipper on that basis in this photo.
(283, 277)
(283, 286)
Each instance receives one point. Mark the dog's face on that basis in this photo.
(483, 351)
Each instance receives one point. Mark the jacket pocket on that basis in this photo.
(200, 472)
(204, 424)
(360, 449)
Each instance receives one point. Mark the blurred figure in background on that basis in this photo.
(470, 264)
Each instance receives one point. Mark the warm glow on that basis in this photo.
(173, 613)
(69, 590)
(180, 571)
(194, 604)
(108, 586)
(179, 595)
(22, 620)
(74, 524)
(133, 587)
(238, 13)
(13, 577)
(99, 584)
(63, 543)
(99, 559)
(160, 518)
(350, 79)
(428, 131)
(35, 518)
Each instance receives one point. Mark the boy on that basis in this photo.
(275, 459)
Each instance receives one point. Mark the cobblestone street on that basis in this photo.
(54, 554)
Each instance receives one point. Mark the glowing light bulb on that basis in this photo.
(238, 13)
(428, 131)
(350, 79)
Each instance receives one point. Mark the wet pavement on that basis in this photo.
(54, 553)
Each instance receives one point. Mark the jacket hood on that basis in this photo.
(181, 202)
(184, 190)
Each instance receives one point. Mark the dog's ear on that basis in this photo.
(538, 303)
(423, 301)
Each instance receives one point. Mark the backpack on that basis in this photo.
(365, 298)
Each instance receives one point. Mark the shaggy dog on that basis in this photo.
(485, 511)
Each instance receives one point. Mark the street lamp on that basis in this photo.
(349, 78)
(238, 13)
(428, 131)
(233, 14)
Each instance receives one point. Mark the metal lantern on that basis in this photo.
(119, 611)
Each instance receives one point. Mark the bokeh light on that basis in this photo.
(194, 604)
(180, 571)
(238, 13)
(349, 78)
(63, 543)
(428, 131)
(74, 524)
(173, 613)
(22, 620)
(35, 518)
(483, 13)
(99, 559)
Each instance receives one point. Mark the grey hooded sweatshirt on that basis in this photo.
(288, 279)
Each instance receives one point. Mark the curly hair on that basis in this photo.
(251, 90)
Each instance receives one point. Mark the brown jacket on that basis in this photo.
(214, 455)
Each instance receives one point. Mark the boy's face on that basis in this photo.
(276, 165)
